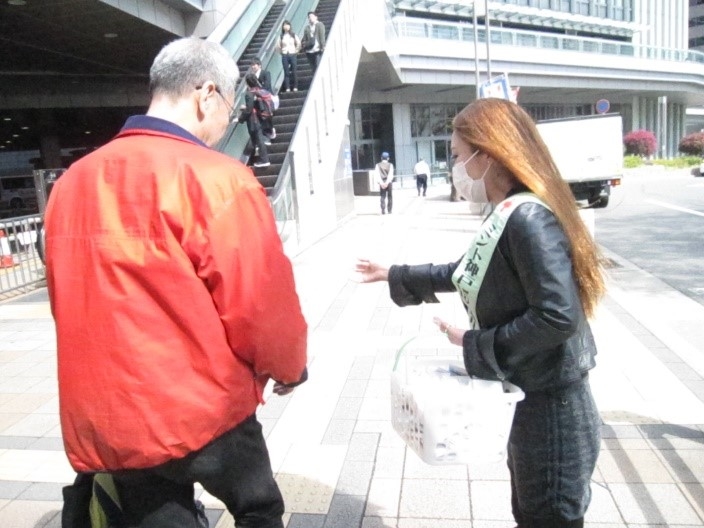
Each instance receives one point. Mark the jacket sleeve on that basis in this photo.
(266, 80)
(246, 112)
(391, 172)
(538, 250)
(321, 37)
(410, 285)
(252, 286)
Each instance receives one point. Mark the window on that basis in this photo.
(371, 133)
(433, 120)
(600, 8)
(618, 10)
(581, 7)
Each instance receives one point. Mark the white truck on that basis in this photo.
(588, 151)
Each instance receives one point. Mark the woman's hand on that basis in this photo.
(454, 335)
(369, 271)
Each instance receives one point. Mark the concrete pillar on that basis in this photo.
(50, 150)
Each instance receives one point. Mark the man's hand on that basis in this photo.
(281, 389)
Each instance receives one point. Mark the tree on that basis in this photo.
(640, 143)
(692, 144)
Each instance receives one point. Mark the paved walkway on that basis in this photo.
(337, 459)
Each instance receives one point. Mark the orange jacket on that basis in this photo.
(174, 302)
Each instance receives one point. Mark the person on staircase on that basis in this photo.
(313, 41)
(289, 45)
(257, 125)
(263, 76)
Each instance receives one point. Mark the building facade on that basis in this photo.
(425, 60)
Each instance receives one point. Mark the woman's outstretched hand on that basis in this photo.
(454, 335)
(369, 271)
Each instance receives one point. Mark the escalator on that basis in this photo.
(254, 47)
(262, 45)
(286, 117)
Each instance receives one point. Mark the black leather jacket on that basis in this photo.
(533, 330)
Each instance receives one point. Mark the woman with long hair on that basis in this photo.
(529, 281)
(289, 45)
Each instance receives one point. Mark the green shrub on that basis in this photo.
(692, 144)
(631, 162)
(679, 163)
(640, 143)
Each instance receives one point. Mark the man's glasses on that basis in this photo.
(232, 113)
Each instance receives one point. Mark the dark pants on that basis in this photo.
(421, 183)
(552, 453)
(234, 467)
(387, 198)
(74, 513)
(290, 63)
(256, 136)
(314, 60)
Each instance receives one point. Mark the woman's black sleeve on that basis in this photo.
(410, 285)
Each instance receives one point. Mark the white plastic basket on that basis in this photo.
(444, 417)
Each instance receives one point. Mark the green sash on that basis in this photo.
(469, 275)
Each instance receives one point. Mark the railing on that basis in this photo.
(418, 28)
(239, 26)
(284, 204)
(320, 129)
(21, 267)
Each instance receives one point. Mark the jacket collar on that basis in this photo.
(144, 124)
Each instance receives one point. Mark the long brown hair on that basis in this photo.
(504, 131)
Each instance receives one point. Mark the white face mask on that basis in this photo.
(471, 190)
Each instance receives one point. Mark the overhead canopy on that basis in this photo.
(515, 14)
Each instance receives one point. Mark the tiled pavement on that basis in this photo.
(335, 455)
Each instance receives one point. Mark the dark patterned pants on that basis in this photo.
(552, 453)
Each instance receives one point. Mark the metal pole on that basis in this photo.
(488, 39)
(476, 52)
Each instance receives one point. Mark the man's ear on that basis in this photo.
(206, 96)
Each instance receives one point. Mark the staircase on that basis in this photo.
(286, 117)
(255, 45)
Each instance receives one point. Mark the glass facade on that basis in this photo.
(613, 9)
(371, 133)
(431, 130)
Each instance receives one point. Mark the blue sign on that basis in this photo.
(602, 106)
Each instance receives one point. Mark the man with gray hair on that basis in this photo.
(174, 305)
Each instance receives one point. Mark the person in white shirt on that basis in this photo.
(385, 178)
(422, 171)
(289, 45)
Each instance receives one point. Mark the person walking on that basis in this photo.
(313, 41)
(259, 125)
(289, 45)
(385, 178)
(174, 305)
(529, 282)
(422, 171)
